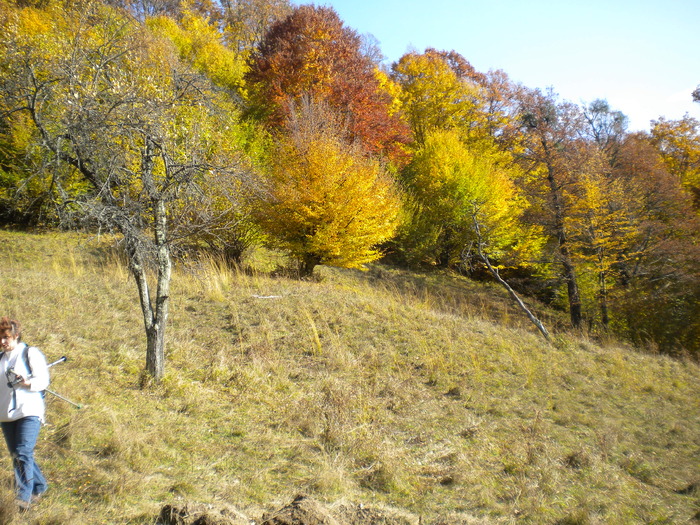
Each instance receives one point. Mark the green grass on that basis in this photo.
(426, 393)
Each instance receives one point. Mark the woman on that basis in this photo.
(22, 408)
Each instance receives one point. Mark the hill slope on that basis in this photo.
(382, 388)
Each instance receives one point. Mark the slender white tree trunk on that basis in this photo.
(504, 283)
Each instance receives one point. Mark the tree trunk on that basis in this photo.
(154, 320)
(155, 316)
(575, 313)
(155, 350)
(605, 317)
(307, 265)
(560, 232)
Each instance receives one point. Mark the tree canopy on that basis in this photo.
(311, 53)
(328, 202)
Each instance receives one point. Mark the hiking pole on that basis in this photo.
(18, 380)
(76, 405)
(61, 360)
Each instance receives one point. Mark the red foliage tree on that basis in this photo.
(313, 54)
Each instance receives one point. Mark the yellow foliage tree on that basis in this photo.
(678, 141)
(327, 201)
(433, 95)
(448, 182)
(601, 229)
(201, 45)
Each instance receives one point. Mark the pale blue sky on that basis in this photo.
(642, 56)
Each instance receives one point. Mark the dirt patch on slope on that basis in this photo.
(302, 510)
(193, 514)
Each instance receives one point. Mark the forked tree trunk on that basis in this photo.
(155, 312)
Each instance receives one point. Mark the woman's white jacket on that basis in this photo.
(22, 401)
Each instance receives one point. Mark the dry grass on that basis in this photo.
(425, 393)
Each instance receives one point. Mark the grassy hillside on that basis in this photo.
(428, 394)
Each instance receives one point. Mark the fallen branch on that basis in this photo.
(511, 292)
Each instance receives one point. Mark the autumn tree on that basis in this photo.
(446, 181)
(28, 193)
(311, 53)
(327, 202)
(598, 219)
(202, 46)
(607, 128)
(245, 22)
(658, 274)
(441, 90)
(678, 141)
(145, 9)
(433, 95)
(553, 155)
(601, 231)
(499, 106)
(117, 108)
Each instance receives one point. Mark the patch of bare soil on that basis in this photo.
(302, 510)
(361, 515)
(193, 514)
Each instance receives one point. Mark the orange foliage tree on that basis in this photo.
(312, 53)
(658, 284)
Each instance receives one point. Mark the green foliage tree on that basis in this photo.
(327, 202)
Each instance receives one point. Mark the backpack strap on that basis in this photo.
(28, 364)
(25, 356)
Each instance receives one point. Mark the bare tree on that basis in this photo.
(117, 106)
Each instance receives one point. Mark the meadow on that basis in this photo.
(427, 395)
